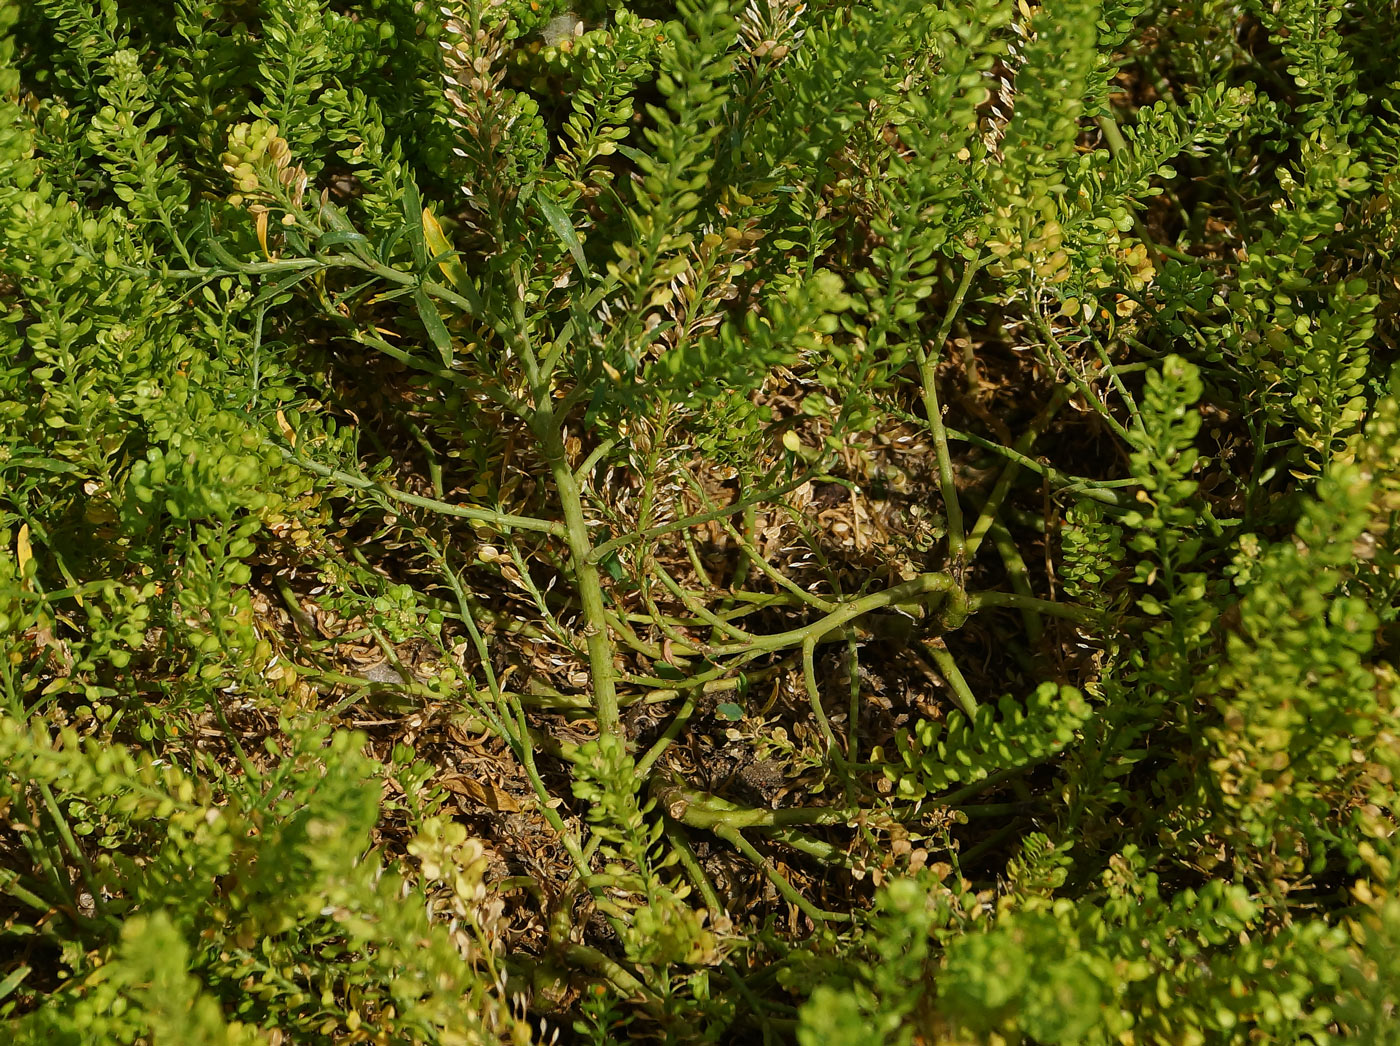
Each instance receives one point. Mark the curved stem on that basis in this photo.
(601, 451)
(675, 835)
(699, 810)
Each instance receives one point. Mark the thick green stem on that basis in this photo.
(613, 971)
(601, 451)
(547, 427)
(597, 637)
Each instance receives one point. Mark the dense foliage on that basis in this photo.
(801, 522)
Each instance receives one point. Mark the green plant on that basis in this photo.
(516, 517)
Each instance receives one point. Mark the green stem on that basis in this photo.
(919, 590)
(705, 683)
(611, 970)
(853, 713)
(691, 604)
(629, 638)
(814, 697)
(1115, 376)
(962, 693)
(773, 574)
(741, 568)
(517, 737)
(1019, 601)
(10, 887)
(597, 636)
(1019, 576)
(756, 558)
(736, 507)
(1117, 146)
(663, 742)
(675, 834)
(1008, 474)
(1100, 490)
(503, 520)
(928, 378)
(71, 845)
(1083, 387)
(699, 810)
(827, 853)
(429, 456)
(696, 563)
(601, 451)
(789, 892)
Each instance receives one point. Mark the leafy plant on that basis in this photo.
(513, 517)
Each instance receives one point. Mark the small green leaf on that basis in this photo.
(432, 323)
(334, 239)
(13, 981)
(270, 291)
(564, 229)
(612, 565)
(385, 247)
(44, 464)
(641, 159)
(729, 710)
(413, 215)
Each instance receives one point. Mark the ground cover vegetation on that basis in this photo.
(813, 522)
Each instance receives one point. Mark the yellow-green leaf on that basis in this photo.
(443, 252)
